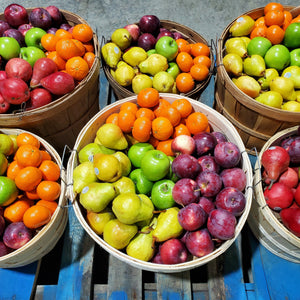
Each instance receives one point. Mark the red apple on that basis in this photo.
(289, 178)
(205, 143)
(134, 31)
(210, 183)
(297, 194)
(227, 154)
(4, 105)
(15, 15)
(40, 17)
(16, 235)
(24, 28)
(173, 251)
(185, 191)
(234, 177)
(183, 144)
(38, 98)
(291, 219)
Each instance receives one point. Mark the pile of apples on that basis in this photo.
(280, 175)
(28, 79)
(268, 71)
(143, 54)
(159, 208)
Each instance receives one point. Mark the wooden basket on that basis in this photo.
(189, 34)
(60, 121)
(255, 122)
(45, 240)
(264, 222)
(218, 123)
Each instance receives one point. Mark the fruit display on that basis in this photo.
(30, 192)
(43, 56)
(155, 194)
(159, 54)
(261, 56)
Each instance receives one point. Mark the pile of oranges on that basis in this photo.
(273, 23)
(36, 176)
(155, 120)
(72, 51)
(194, 62)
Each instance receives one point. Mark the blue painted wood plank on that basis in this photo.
(18, 283)
(46, 292)
(103, 89)
(207, 96)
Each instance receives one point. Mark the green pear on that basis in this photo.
(236, 45)
(96, 196)
(14, 140)
(293, 106)
(88, 151)
(140, 82)
(233, 64)
(118, 234)
(284, 86)
(298, 95)
(142, 246)
(167, 225)
(154, 64)
(83, 175)
(134, 56)
(124, 185)
(248, 85)
(242, 26)
(269, 74)
(125, 162)
(163, 82)
(122, 38)
(6, 144)
(97, 221)
(254, 65)
(107, 167)
(124, 74)
(270, 98)
(292, 72)
(111, 54)
(246, 40)
(130, 208)
(3, 163)
(111, 136)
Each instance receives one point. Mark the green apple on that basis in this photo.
(167, 47)
(33, 37)
(295, 57)
(137, 151)
(97, 221)
(259, 45)
(277, 57)
(140, 82)
(9, 48)
(163, 82)
(155, 165)
(8, 191)
(151, 51)
(172, 176)
(6, 144)
(270, 98)
(142, 184)
(3, 163)
(32, 54)
(292, 36)
(173, 69)
(161, 194)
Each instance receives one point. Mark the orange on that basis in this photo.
(15, 211)
(172, 114)
(126, 120)
(89, 57)
(202, 59)
(185, 82)
(36, 216)
(32, 194)
(63, 34)
(197, 122)
(183, 106)
(60, 62)
(28, 178)
(153, 141)
(89, 47)
(82, 32)
(28, 155)
(13, 169)
(258, 31)
(199, 49)
(141, 130)
(184, 61)
(183, 45)
(162, 104)
(274, 17)
(77, 67)
(51, 205)
(199, 72)
(181, 129)
(260, 21)
(296, 19)
(129, 106)
(45, 155)
(48, 190)
(162, 128)
(287, 19)
(113, 118)
(145, 112)
(148, 97)
(275, 34)
(50, 170)
(25, 138)
(49, 41)
(165, 146)
(68, 48)
(273, 6)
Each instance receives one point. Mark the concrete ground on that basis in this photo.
(207, 17)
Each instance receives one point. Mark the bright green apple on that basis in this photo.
(137, 151)
(278, 57)
(259, 45)
(32, 54)
(142, 184)
(9, 48)
(167, 47)
(8, 191)
(292, 36)
(173, 69)
(161, 194)
(33, 37)
(295, 57)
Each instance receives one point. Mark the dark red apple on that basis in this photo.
(186, 166)
(199, 243)
(157, 259)
(52, 30)
(14, 90)
(297, 195)
(16, 34)
(16, 235)
(18, 68)
(55, 14)
(164, 32)
(40, 17)
(149, 24)
(291, 219)
(24, 28)
(15, 15)
(38, 98)
(185, 191)
(290, 178)
(173, 251)
(4, 250)
(227, 154)
(2, 225)
(207, 204)
(177, 35)
(205, 143)
(294, 151)
(210, 183)
(234, 177)
(146, 41)
(208, 163)
(4, 105)
(220, 136)
(183, 144)
(65, 26)
(3, 27)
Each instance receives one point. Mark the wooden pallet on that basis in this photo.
(78, 269)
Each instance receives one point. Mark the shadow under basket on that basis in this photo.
(255, 122)
(192, 37)
(265, 223)
(60, 121)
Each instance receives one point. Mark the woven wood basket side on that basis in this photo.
(68, 114)
(45, 240)
(251, 117)
(264, 222)
(218, 123)
(192, 37)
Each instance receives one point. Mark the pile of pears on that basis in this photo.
(125, 219)
(260, 69)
